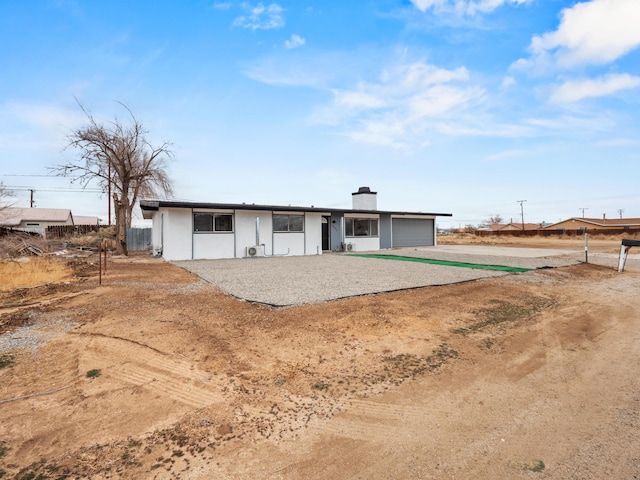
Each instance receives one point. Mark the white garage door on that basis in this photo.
(412, 232)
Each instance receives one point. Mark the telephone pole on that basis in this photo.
(583, 209)
(521, 202)
(620, 212)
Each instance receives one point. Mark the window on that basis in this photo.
(361, 227)
(288, 223)
(212, 222)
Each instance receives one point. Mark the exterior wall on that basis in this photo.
(213, 245)
(178, 228)
(245, 231)
(337, 230)
(363, 244)
(157, 233)
(385, 231)
(288, 243)
(313, 234)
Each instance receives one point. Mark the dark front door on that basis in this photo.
(326, 236)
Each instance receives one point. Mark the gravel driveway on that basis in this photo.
(286, 281)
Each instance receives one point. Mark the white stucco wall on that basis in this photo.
(246, 231)
(178, 227)
(363, 244)
(313, 231)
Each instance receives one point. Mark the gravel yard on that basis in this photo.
(287, 281)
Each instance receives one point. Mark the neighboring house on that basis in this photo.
(515, 226)
(591, 224)
(85, 220)
(34, 220)
(189, 230)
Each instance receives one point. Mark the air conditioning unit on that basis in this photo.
(348, 247)
(255, 251)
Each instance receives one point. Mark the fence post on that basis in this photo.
(586, 247)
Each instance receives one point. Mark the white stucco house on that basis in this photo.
(192, 230)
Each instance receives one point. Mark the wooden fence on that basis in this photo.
(62, 231)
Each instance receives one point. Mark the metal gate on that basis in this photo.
(412, 232)
(138, 239)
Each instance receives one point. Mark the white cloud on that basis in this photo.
(590, 33)
(464, 7)
(407, 102)
(260, 17)
(508, 81)
(222, 5)
(34, 125)
(295, 41)
(575, 90)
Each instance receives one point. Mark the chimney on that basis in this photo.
(364, 199)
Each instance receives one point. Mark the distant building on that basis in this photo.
(85, 220)
(514, 226)
(576, 223)
(37, 220)
(34, 220)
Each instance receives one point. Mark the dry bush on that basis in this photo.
(32, 271)
(92, 239)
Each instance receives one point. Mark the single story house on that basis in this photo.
(82, 220)
(191, 230)
(34, 220)
(591, 224)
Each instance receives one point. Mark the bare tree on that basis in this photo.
(5, 197)
(120, 158)
(494, 219)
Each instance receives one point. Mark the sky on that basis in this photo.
(517, 108)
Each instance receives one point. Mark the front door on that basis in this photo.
(326, 235)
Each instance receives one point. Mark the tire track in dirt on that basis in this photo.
(137, 364)
(365, 420)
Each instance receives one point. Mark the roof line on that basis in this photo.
(155, 204)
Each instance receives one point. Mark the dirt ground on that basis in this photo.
(156, 374)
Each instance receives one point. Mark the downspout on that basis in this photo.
(235, 233)
(304, 234)
(161, 234)
(193, 237)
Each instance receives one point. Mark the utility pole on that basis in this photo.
(620, 212)
(583, 209)
(521, 202)
(31, 201)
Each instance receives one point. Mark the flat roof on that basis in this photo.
(153, 205)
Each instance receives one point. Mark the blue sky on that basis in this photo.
(458, 106)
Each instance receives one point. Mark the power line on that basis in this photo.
(56, 190)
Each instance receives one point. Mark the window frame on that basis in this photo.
(213, 222)
(289, 216)
(350, 224)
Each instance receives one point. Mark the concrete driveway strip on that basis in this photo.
(287, 281)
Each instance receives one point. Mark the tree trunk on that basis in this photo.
(121, 226)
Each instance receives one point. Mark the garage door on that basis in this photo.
(412, 232)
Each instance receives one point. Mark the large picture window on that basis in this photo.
(288, 223)
(213, 222)
(361, 227)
